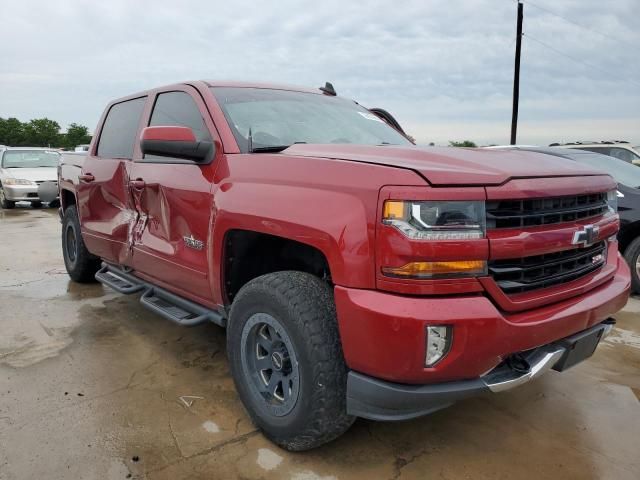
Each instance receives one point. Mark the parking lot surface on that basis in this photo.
(94, 386)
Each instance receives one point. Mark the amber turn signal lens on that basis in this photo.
(394, 210)
(437, 269)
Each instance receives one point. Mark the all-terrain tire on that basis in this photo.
(4, 203)
(632, 256)
(303, 306)
(80, 264)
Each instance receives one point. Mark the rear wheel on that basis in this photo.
(4, 203)
(632, 256)
(286, 359)
(36, 204)
(80, 264)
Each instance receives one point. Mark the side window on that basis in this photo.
(623, 154)
(600, 150)
(177, 109)
(120, 129)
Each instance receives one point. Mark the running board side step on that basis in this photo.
(119, 280)
(166, 304)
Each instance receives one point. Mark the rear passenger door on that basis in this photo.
(174, 201)
(104, 204)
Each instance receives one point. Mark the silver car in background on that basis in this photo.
(28, 175)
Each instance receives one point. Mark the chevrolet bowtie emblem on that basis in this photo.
(587, 236)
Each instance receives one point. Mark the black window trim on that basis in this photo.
(169, 160)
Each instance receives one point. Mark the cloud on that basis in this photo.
(444, 68)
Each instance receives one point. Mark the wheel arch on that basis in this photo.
(67, 198)
(248, 254)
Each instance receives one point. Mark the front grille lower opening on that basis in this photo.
(535, 272)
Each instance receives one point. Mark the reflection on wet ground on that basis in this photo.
(93, 386)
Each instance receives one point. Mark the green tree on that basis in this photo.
(42, 132)
(464, 143)
(76, 135)
(11, 132)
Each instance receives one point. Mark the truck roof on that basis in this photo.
(273, 86)
(220, 83)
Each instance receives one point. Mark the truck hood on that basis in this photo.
(452, 166)
(39, 174)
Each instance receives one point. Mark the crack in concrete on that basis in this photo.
(22, 284)
(140, 370)
(232, 441)
(402, 462)
(173, 434)
(75, 404)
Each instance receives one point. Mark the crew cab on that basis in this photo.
(357, 274)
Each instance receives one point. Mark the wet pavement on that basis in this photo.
(92, 386)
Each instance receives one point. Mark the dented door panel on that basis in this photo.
(170, 234)
(106, 210)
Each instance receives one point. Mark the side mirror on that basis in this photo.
(176, 143)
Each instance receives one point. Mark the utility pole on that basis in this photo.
(516, 76)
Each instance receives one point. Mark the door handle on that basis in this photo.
(86, 177)
(137, 184)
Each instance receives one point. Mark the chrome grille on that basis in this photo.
(544, 211)
(541, 271)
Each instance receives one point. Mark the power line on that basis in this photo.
(573, 22)
(578, 60)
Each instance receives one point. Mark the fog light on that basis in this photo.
(438, 343)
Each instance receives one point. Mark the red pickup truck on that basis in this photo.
(357, 274)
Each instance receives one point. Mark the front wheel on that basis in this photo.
(286, 359)
(80, 264)
(4, 203)
(632, 256)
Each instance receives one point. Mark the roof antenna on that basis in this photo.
(328, 89)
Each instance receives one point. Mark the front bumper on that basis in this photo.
(21, 193)
(31, 193)
(383, 334)
(376, 399)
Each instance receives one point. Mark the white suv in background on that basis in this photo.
(615, 148)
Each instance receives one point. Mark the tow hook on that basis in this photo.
(518, 364)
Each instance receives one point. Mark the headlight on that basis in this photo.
(438, 344)
(612, 200)
(17, 181)
(436, 220)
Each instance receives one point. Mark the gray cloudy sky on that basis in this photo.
(444, 68)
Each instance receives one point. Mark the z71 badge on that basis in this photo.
(193, 243)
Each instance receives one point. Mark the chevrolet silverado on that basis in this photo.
(357, 275)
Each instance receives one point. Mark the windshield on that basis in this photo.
(30, 158)
(625, 173)
(279, 118)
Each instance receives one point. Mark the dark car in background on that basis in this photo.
(628, 177)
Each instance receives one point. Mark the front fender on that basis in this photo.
(335, 223)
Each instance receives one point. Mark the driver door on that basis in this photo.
(173, 199)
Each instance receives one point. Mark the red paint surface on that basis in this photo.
(169, 134)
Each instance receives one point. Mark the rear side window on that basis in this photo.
(623, 154)
(120, 129)
(178, 109)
